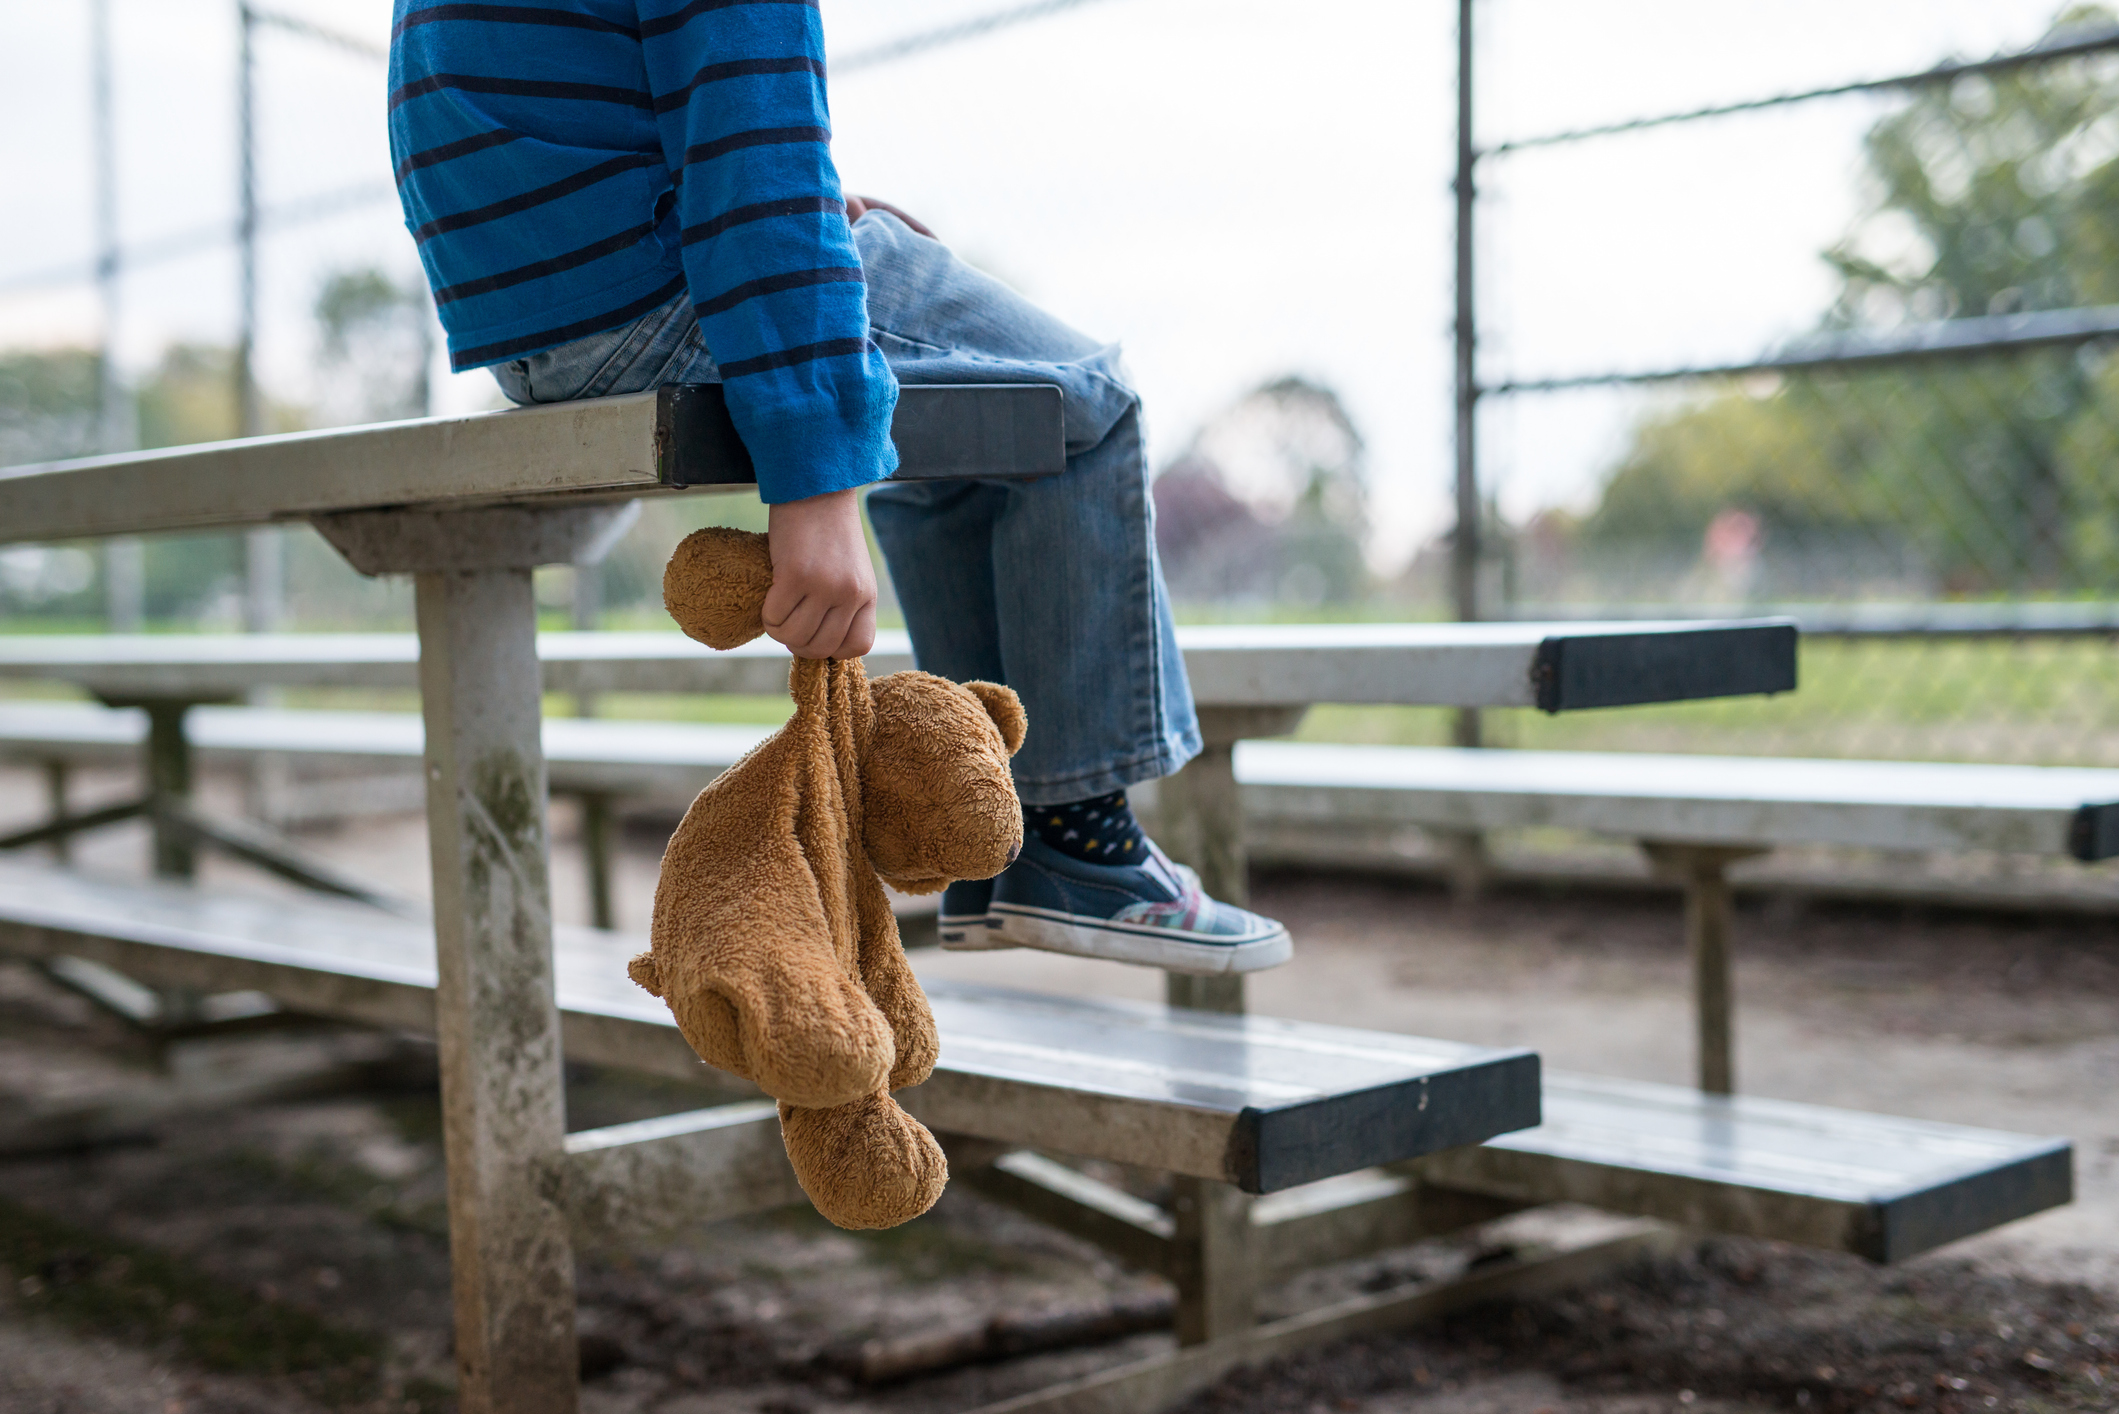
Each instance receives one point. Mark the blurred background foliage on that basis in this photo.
(1988, 475)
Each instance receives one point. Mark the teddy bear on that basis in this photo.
(773, 942)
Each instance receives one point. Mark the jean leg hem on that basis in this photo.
(1165, 760)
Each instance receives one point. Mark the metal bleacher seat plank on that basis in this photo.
(1880, 1187)
(2046, 810)
(1261, 1104)
(599, 448)
(668, 760)
(1556, 667)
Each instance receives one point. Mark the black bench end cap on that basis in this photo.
(941, 431)
(1284, 1146)
(1572, 672)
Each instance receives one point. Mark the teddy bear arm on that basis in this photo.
(897, 995)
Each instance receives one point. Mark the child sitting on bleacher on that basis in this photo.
(611, 195)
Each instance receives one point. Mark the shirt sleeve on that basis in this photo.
(738, 88)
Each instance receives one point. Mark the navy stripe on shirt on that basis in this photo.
(579, 328)
(759, 211)
(521, 88)
(737, 69)
(756, 137)
(788, 358)
(773, 284)
(565, 186)
(538, 269)
(462, 147)
(665, 23)
(511, 14)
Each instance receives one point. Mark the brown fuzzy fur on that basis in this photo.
(773, 941)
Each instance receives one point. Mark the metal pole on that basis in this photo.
(263, 555)
(249, 422)
(124, 571)
(1464, 548)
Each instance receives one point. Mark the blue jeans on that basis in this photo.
(1051, 586)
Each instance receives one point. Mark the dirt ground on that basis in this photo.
(292, 1256)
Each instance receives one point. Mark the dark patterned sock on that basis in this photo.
(1097, 831)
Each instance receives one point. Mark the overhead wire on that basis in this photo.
(906, 46)
(182, 243)
(309, 29)
(2073, 44)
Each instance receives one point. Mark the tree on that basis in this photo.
(374, 345)
(48, 411)
(48, 405)
(1991, 195)
(1268, 502)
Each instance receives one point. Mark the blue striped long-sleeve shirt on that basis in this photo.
(568, 165)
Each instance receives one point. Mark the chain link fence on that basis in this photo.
(1948, 434)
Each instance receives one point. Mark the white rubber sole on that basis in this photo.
(1145, 947)
(971, 935)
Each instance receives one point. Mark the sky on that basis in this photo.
(1233, 189)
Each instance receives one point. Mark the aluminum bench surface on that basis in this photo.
(1883, 1188)
(670, 759)
(598, 448)
(1260, 1103)
(1741, 800)
(1557, 667)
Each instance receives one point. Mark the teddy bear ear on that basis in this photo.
(715, 585)
(1006, 709)
(645, 973)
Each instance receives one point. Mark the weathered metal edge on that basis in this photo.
(1980, 1198)
(2094, 832)
(1277, 1147)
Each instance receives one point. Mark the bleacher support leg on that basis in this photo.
(503, 1116)
(55, 783)
(1213, 1260)
(502, 1106)
(169, 777)
(597, 842)
(1214, 1251)
(1702, 871)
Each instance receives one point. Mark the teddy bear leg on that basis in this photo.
(865, 1165)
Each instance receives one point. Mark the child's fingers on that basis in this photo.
(861, 634)
(799, 624)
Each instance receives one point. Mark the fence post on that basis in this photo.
(1464, 544)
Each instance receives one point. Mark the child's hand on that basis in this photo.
(859, 206)
(823, 600)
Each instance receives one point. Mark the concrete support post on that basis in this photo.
(169, 777)
(503, 1109)
(56, 777)
(1702, 871)
(1214, 1251)
(1201, 825)
(1213, 1261)
(497, 1015)
(598, 843)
